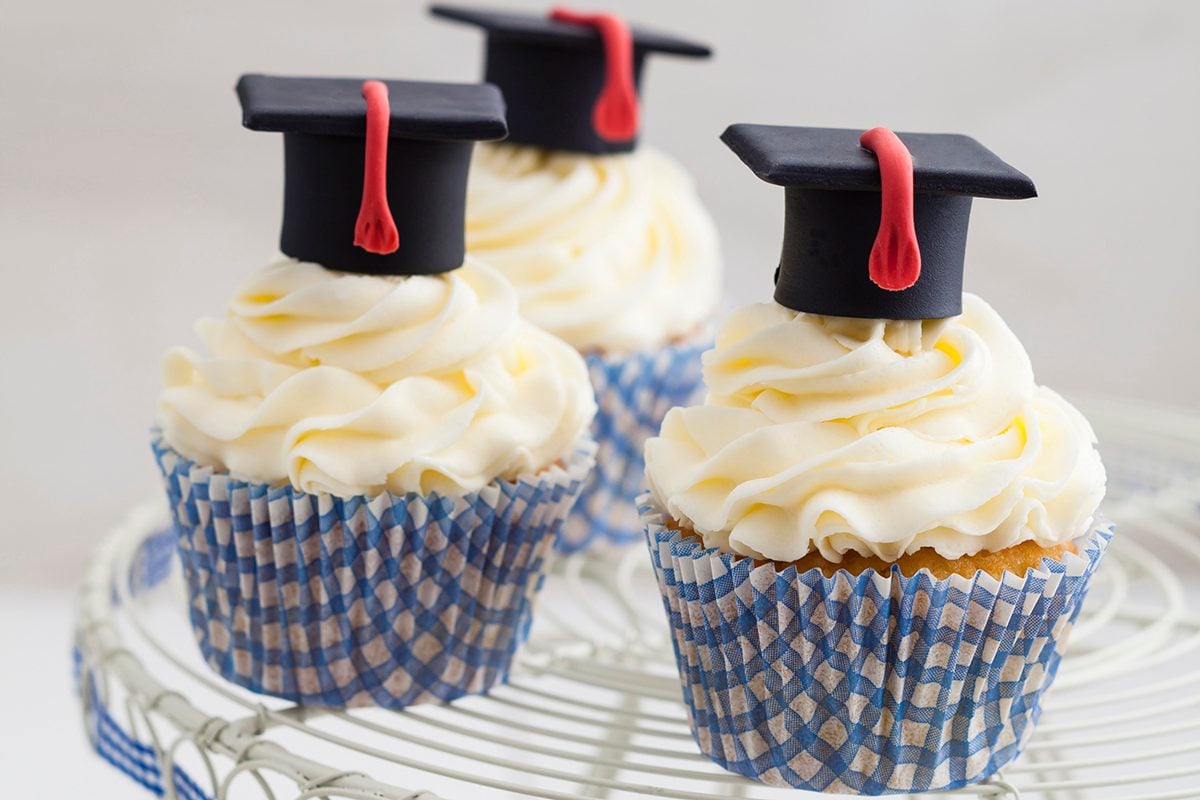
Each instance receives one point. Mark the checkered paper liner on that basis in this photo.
(863, 684)
(633, 394)
(388, 601)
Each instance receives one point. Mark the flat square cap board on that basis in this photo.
(570, 80)
(375, 172)
(875, 223)
(542, 29)
(831, 158)
(335, 107)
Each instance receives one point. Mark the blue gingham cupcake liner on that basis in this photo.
(863, 684)
(390, 600)
(633, 393)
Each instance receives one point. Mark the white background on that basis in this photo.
(131, 202)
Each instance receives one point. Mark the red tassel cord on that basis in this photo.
(895, 262)
(375, 230)
(615, 115)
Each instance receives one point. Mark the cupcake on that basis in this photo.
(600, 236)
(874, 535)
(372, 455)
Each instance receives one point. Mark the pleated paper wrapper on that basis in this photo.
(389, 601)
(863, 684)
(633, 393)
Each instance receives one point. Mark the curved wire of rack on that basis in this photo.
(593, 708)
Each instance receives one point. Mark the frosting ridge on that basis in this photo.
(881, 437)
(608, 252)
(355, 384)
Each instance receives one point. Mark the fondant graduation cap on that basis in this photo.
(875, 223)
(375, 172)
(570, 80)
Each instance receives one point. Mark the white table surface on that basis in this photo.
(45, 753)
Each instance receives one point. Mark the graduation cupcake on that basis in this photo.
(370, 459)
(875, 534)
(600, 236)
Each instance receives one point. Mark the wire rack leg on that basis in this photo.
(617, 739)
(1002, 788)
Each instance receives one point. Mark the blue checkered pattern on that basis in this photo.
(152, 561)
(633, 392)
(388, 601)
(862, 684)
(128, 754)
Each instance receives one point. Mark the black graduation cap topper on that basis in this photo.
(570, 80)
(875, 223)
(375, 172)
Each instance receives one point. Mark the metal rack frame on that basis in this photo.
(595, 711)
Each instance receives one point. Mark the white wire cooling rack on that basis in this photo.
(594, 709)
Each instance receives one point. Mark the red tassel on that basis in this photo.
(895, 262)
(615, 115)
(375, 230)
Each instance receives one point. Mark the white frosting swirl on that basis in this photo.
(838, 435)
(610, 252)
(353, 384)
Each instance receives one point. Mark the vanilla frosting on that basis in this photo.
(610, 252)
(880, 437)
(355, 384)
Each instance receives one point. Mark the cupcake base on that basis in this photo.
(634, 391)
(389, 601)
(1016, 559)
(863, 683)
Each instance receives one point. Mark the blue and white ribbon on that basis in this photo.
(389, 601)
(863, 684)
